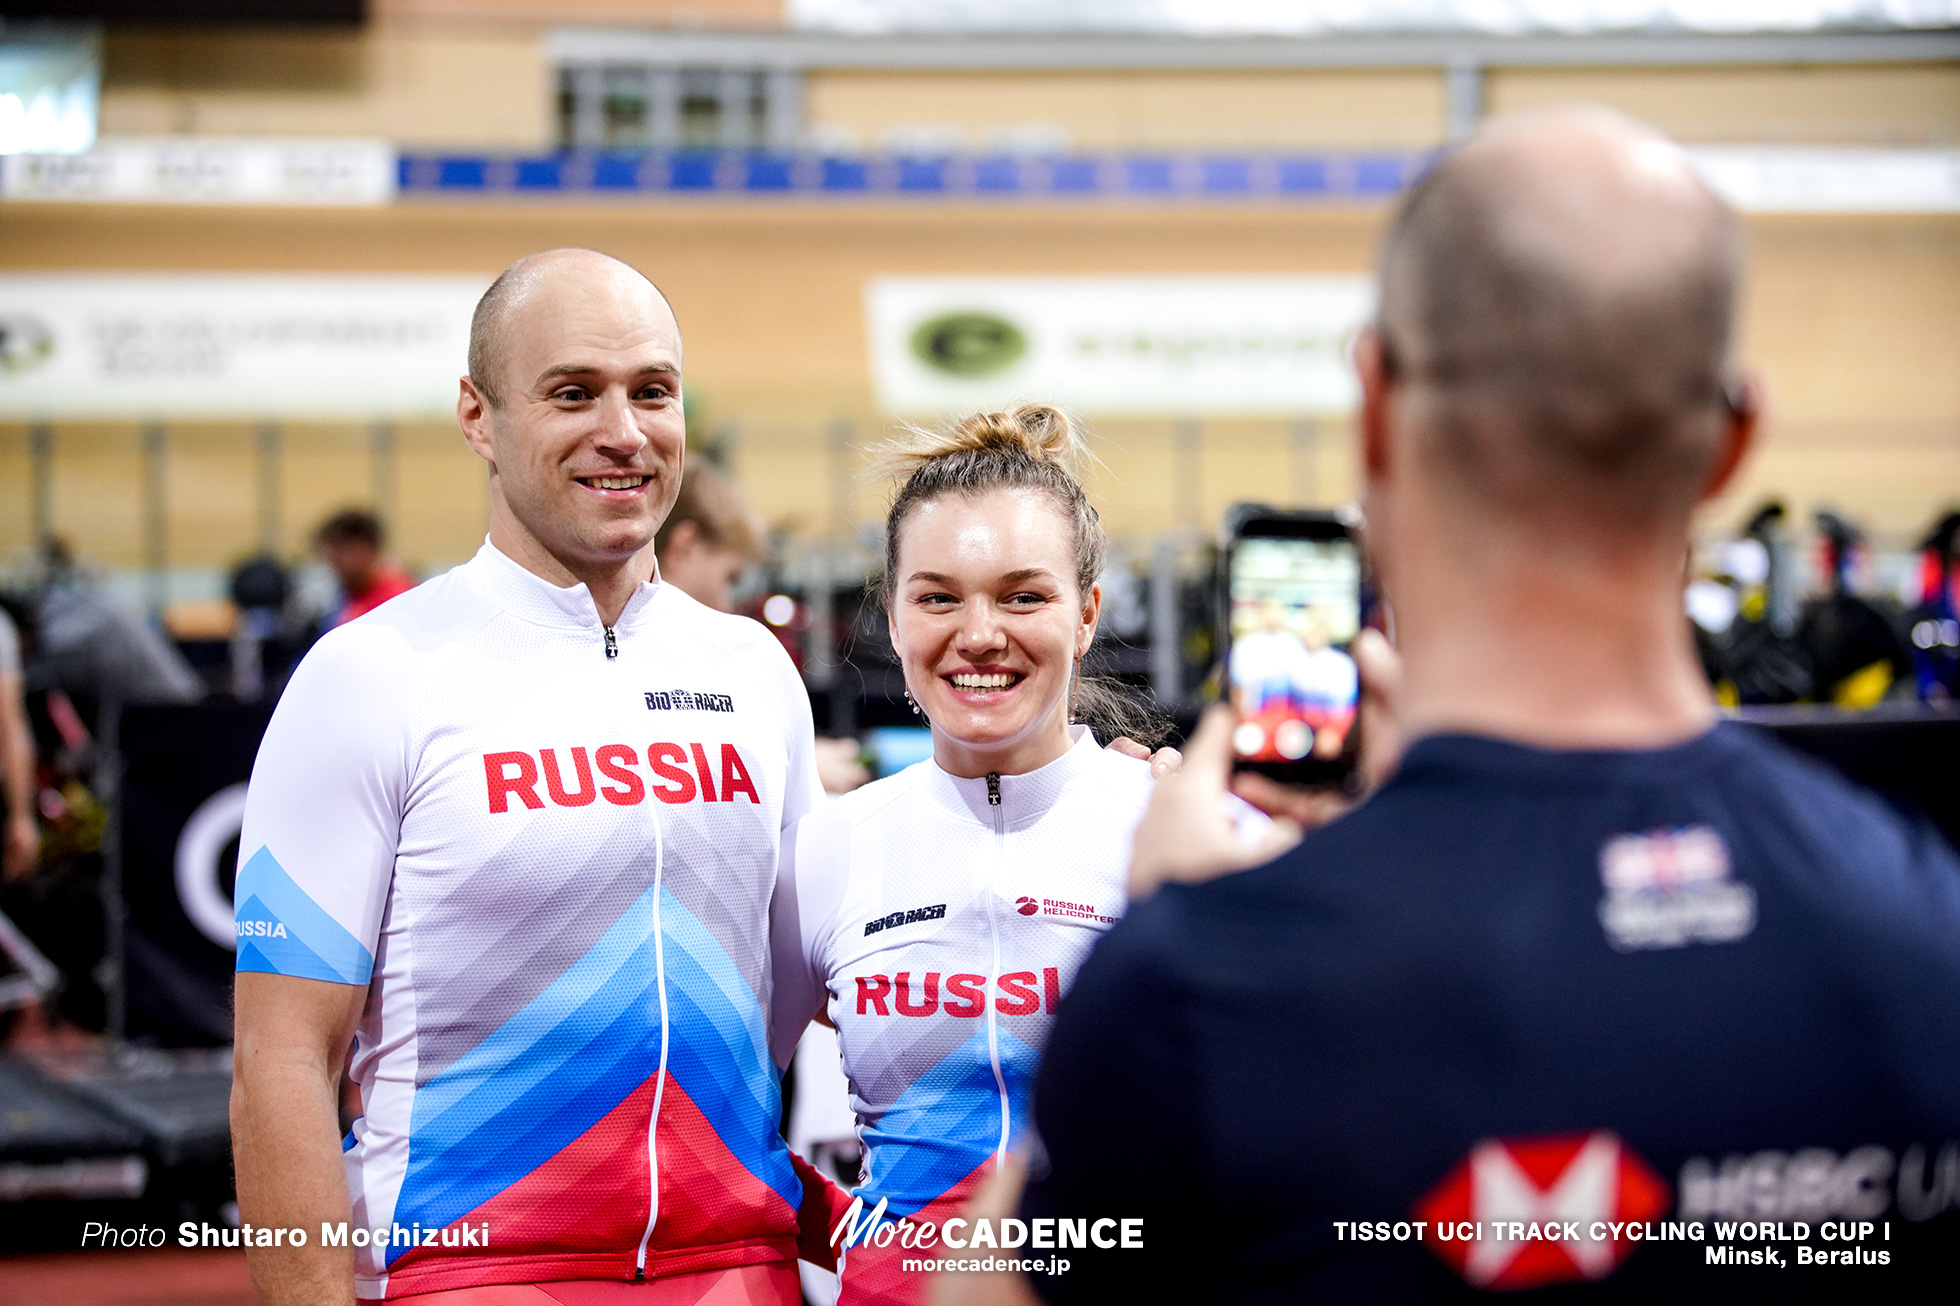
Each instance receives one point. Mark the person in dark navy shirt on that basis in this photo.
(1594, 995)
(1709, 982)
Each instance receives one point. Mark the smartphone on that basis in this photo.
(1294, 601)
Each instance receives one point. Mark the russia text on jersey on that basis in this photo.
(965, 994)
(516, 775)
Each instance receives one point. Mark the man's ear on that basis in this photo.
(683, 539)
(1371, 426)
(1745, 404)
(473, 416)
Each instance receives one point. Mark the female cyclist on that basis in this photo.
(939, 914)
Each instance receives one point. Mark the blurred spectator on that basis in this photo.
(260, 588)
(260, 584)
(1760, 645)
(1750, 651)
(22, 839)
(97, 650)
(104, 656)
(352, 544)
(1853, 647)
(1773, 596)
(710, 538)
(1934, 626)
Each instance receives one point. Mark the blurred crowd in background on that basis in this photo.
(1784, 613)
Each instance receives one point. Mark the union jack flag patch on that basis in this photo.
(1670, 888)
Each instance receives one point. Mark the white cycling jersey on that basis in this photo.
(940, 920)
(548, 848)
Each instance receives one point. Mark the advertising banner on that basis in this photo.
(1117, 346)
(183, 805)
(155, 346)
(1792, 179)
(207, 170)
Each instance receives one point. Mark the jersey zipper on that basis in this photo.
(612, 644)
(660, 984)
(993, 982)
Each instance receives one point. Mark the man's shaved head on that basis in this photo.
(490, 324)
(1559, 294)
(574, 401)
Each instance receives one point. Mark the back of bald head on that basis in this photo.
(1560, 294)
(490, 324)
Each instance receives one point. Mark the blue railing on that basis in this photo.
(1210, 177)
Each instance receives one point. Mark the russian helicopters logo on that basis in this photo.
(1079, 911)
(25, 343)
(969, 344)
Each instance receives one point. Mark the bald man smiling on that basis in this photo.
(509, 845)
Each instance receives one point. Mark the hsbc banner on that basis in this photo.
(141, 346)
(1117, 346)
(183, 804)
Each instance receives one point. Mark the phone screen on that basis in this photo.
(1295, 608)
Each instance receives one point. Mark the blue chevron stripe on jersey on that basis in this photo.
(579, 1048)
(946, 1123)
(718, 1051)
(544, 1077)
(282, 931)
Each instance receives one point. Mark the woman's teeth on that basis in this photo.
(998, 680)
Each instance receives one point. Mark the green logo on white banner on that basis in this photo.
(969, 344)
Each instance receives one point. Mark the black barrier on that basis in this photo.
(55, 1143)
(146, 1144)
(1908, 753)
(183, 800)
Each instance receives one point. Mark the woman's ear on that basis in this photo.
(1085, 634)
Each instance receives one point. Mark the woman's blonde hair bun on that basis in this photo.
(1039, 432)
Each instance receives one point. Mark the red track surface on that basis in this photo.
(167, 1276)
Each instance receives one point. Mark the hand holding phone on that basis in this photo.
(1294, 604)
(1185, 835)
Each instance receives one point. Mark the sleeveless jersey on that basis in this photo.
(548, 849)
